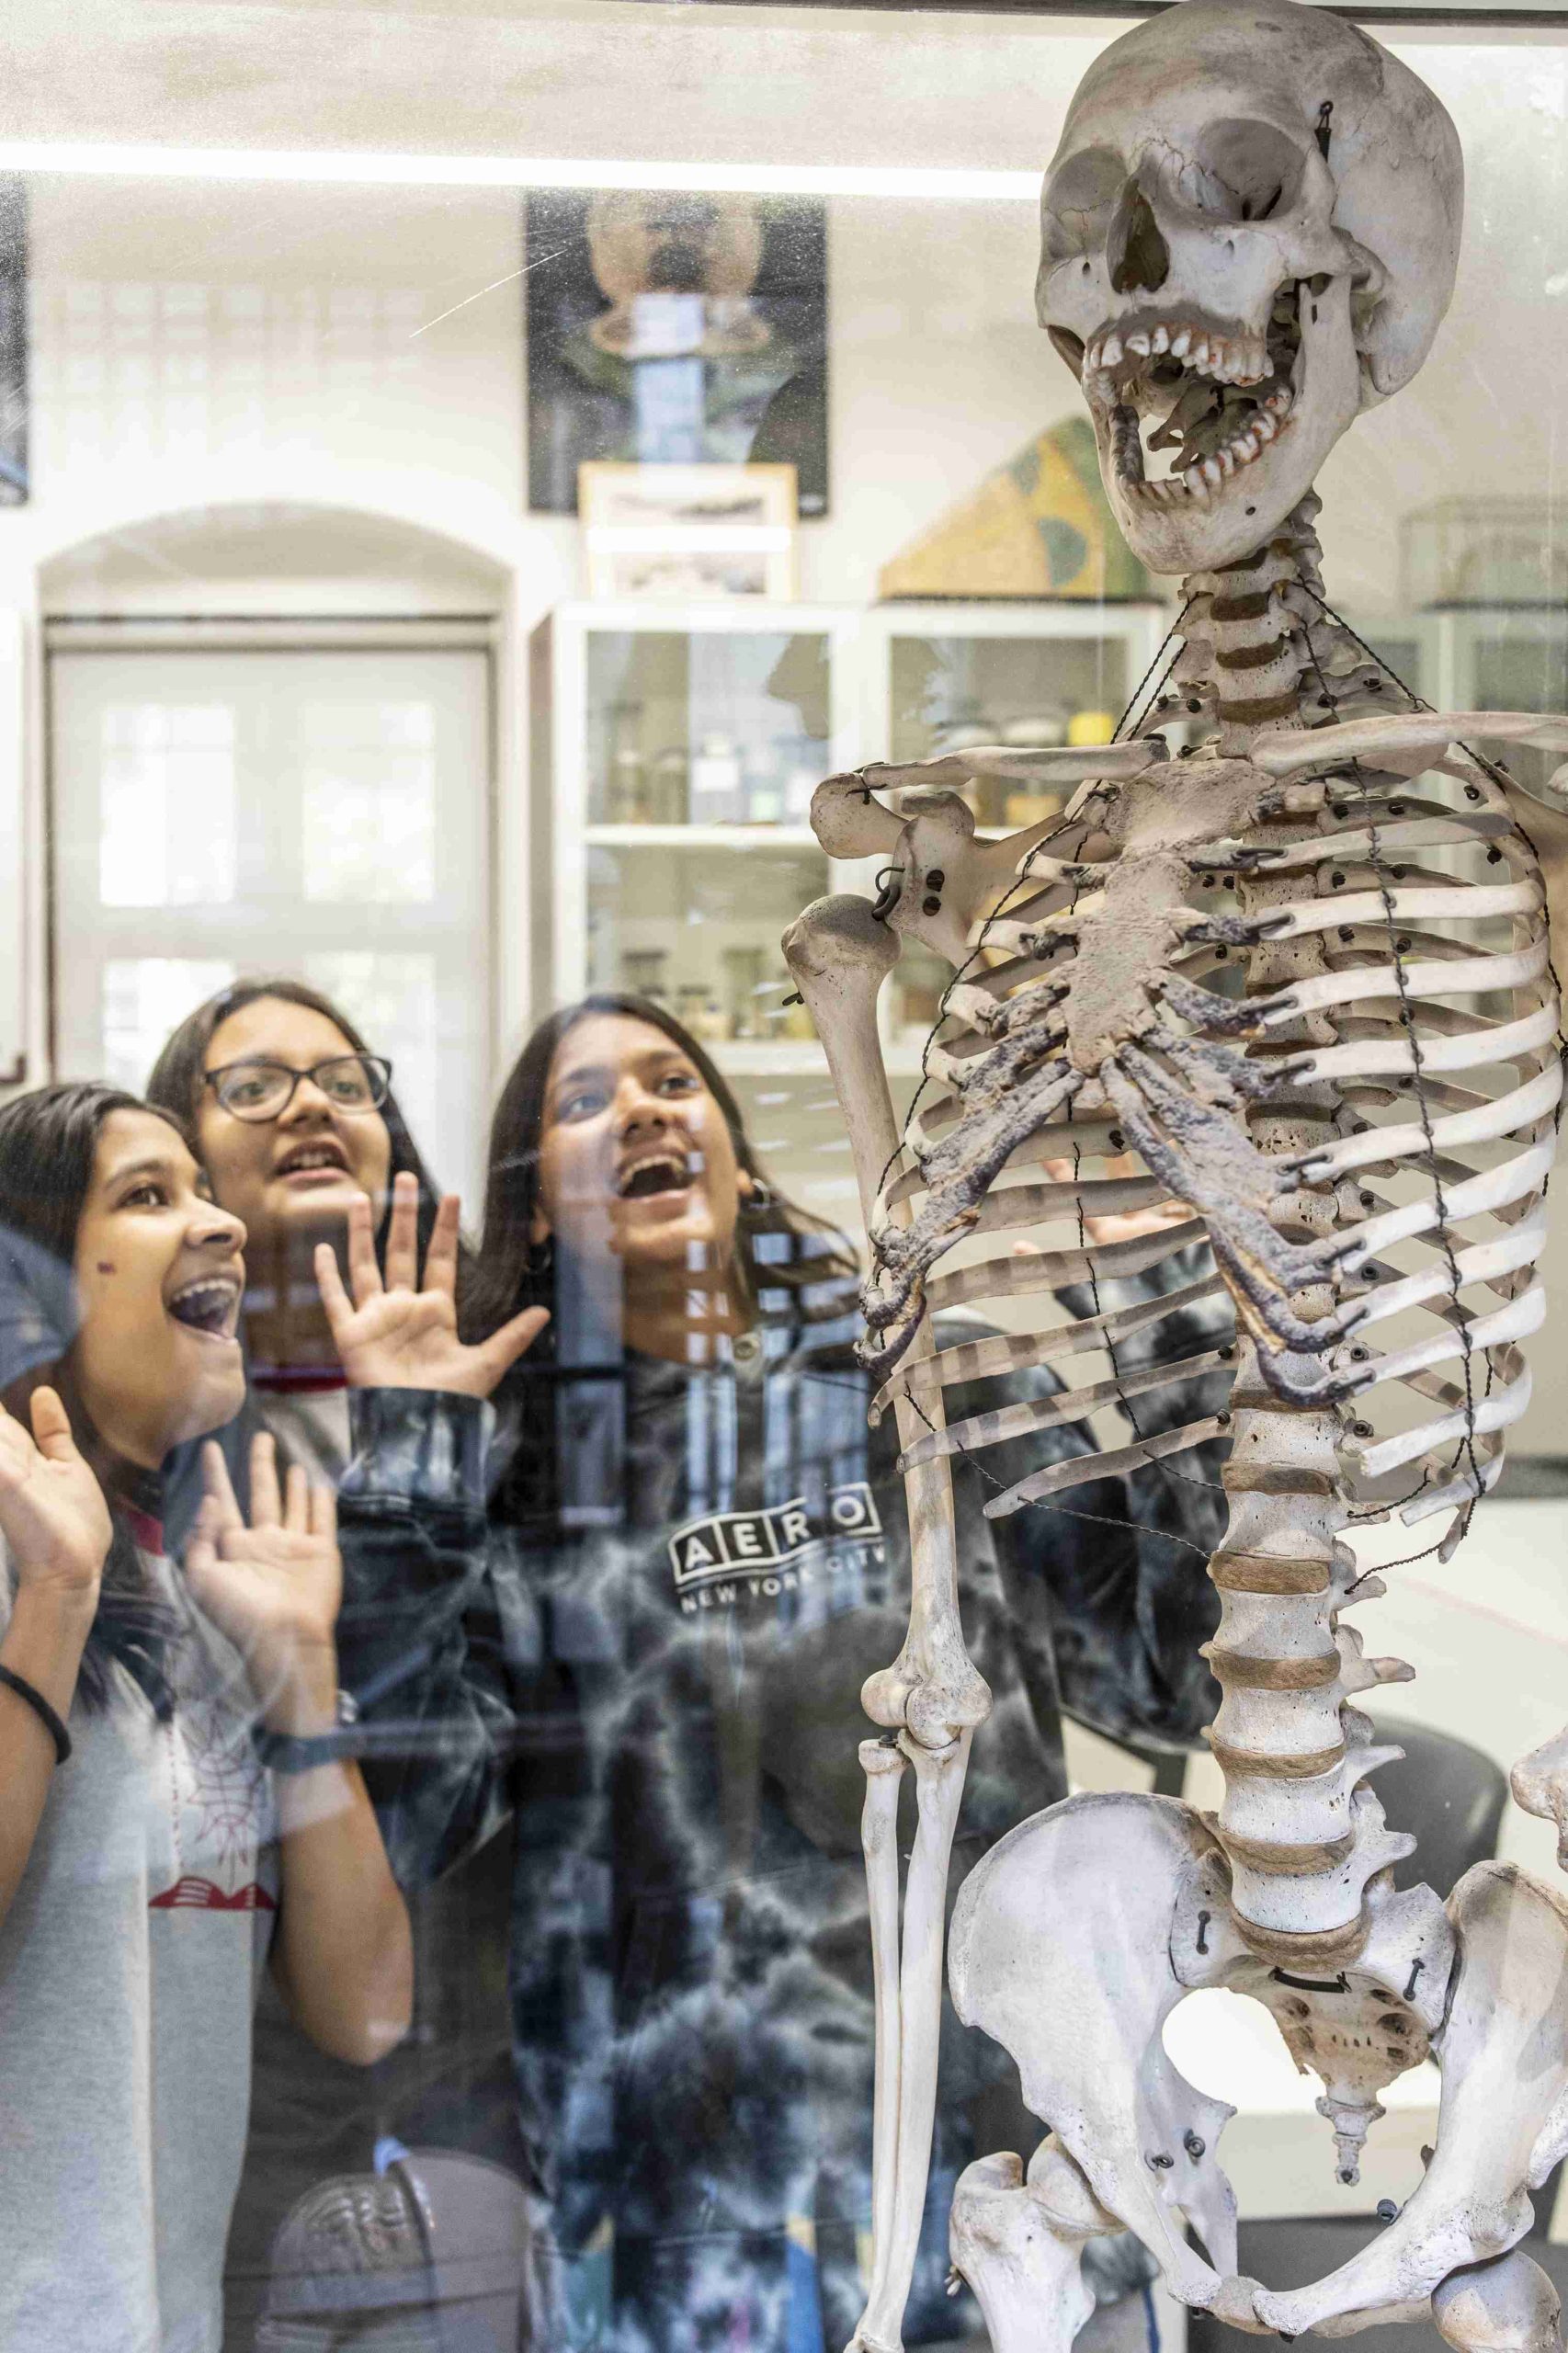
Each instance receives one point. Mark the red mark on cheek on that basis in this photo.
(107, 1267)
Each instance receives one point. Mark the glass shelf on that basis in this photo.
(948, 692)
(700, 933)
(728, 838)
(705, 729)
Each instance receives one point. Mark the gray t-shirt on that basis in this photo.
(128, 1964)
(311, 1426)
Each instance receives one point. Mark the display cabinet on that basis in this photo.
(678, 748)
(940, 676)
(682, 746)
(1503, 657)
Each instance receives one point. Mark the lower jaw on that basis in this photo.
(1189, 534)
(1247, 485)
(211, 1339)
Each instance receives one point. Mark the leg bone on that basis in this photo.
(1509, 2305)
(1020, 2247)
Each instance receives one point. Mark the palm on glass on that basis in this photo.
(272, 1584)
(53, 1513)
(397, 1333)
(1126, 1225)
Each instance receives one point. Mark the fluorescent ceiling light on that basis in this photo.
(81, 159)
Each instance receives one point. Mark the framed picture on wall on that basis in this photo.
(674, 330)
(686, 531)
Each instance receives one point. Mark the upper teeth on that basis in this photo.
(313, 1156)
(1238, 358)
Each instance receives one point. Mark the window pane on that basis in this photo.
(368, 810)
(393, 1001)
(167, 832)
(143, 997)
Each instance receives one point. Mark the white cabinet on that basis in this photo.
(683, 745)
(676, 750)
(938, 677)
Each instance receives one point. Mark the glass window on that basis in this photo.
(469, 478)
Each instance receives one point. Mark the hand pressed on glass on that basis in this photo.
(398, 1332)
(273, 1587)
(53, 1513)
(1130, 1223)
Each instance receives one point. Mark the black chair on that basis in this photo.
(1453, 1798)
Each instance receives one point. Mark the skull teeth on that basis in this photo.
(1201, 481)
(1238, 358)
(1237, 401)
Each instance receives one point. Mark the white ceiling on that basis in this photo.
(586, 77)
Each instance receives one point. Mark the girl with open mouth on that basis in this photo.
(178, 1813)
(357, 1370)
(700, 1551)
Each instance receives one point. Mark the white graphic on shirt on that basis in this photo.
(220, 1808)
(729, 1556)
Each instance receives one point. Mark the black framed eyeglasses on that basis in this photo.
(263, 1090)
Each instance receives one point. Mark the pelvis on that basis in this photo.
(1075, 1937)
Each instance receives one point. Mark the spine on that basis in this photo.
(1303, 1833)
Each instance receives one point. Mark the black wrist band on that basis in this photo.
(41, 1710)
(286, 1751)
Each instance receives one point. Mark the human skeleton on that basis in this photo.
(1315, 999)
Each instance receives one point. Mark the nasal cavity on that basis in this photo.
(1139, 255)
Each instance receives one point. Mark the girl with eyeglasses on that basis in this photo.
(369, 1380)
(176, 1811)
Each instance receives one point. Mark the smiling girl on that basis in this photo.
(296, 1123)
(299, 1129)
(702, 1552)
(150, 1860)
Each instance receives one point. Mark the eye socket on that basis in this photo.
(1077, 202)
(1245, 171)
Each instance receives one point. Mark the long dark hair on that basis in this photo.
(48, 1143)
(796, 1267)
(176, 1085)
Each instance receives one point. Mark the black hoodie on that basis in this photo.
(662, 1684)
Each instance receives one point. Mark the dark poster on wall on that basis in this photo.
(674, 330)
(13, 340)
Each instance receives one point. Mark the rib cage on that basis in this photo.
(1441, 974)
(1315, 1003)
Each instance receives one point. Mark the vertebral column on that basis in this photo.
(1302, 1833)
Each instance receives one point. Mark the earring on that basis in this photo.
(541, 1256)
(760, 1200)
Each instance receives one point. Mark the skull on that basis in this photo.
(1249, 232)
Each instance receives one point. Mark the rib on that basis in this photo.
(1059, 1476)
(1005, 1422)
